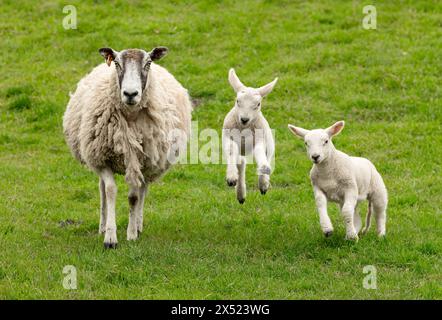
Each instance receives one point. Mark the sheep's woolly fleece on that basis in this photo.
(102, 132)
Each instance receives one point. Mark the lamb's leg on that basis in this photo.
(110, 187)
(263, 167)
(380, 213)
(231, 151)
(103, 213)
(368, 218)
(357, 220)
(321, 205)
(348, 211)
(143, 190)
(134, 202)
(241, 186)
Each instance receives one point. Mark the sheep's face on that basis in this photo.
(132, 67)
(248, 100)
(318, 142)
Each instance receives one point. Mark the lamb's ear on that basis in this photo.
(157, 53)
(299, 132)
(265, 90)
(335, 129)
(234, 81)
(108, 54)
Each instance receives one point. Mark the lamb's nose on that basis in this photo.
(244, 120)
(315, 158)
(130, 94)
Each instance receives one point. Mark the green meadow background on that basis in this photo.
(199, 242)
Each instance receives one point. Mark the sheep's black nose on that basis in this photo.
(131, 94)
(244, 120)
(315, 158)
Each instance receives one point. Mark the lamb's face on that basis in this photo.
(132, 67)
(248, 105)
(318, 145)
(248, 100)
(318, 142)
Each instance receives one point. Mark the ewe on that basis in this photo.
(337, 177)
(245, 132)
(120, 120)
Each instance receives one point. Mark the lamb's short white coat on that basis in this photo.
(343, 179)
(246, 131)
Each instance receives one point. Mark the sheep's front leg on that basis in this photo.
(263, 167)
(348, 210)
(321, 205)
(110, 189)
(134, 202)
(143, 191)
(231, 151)
(241, 186)
(103, 209)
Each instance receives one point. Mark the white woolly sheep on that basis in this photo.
(245, 132)
(337, 177)
(120, 120)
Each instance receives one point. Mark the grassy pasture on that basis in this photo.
(198, 241)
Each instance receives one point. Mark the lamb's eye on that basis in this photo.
(306, 144)
(326, 141)
(237, 103)
(259, 104)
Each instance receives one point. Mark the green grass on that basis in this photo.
(198, 241)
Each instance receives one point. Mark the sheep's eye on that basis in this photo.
(306, 144)
(326, 141)
(237, 103)
(259, 104)
(147, 65)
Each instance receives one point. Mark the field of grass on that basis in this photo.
(198, 241)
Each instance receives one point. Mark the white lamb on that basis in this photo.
(121, 119)
(245, 132)
(337, 177)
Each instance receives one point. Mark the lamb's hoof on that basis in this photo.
(328, 234)
(354, 238)
(241, 201)
(139, 233)
(263, 191)
(231, 182)
(110, 245)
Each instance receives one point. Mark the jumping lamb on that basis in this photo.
(245, 132)
(121, 120)
(337, 177)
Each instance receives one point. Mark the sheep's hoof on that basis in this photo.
(110, 245)
(328, 234)
(231, 182)
(263, 191)
(241, 201)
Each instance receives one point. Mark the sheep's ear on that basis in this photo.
(234, 81)
(265, 90)
(299, 132)
(335, 129)
(108, 54)
(157, 53)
